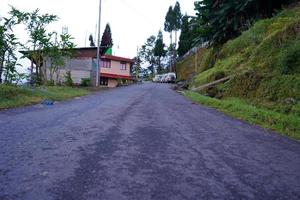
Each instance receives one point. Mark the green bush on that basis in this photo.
(68, 79)
(290, 61)
(85, 82)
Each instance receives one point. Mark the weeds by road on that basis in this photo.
(15, 96)
(286, 124)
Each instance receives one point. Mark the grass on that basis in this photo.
(14, 96)
(264, 63)
(285, 124)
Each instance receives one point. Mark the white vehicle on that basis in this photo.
(157, 78)
(164, 78)
(170, 78)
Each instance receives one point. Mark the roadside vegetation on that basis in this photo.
(14, 96)
(261, 61)
(286, 124)
(42, 84)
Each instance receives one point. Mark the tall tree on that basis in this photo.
(8, 46)
(186, 36)
(219, 21)
(91, 39)
(177, 20)
(36, 24)
(146, 53)
(169, 27)
(159, 50)
(106, 41)
(169, 23)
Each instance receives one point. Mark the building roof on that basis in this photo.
(92, 52)
(83, 52)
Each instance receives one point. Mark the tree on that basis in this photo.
(177, 20)
(8, 46)
(146, 53)
(159, 50)
(186, 36)
(57, 52)
(219, 21)
(136, 69)
(169, 23)
(106, 41)
(39, 39)
(91, 39)
(173, 23)
(169, 27)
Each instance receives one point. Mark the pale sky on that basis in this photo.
(132, 21)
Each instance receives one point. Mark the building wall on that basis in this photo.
(79, 67)
(116, 69)
(112, 83)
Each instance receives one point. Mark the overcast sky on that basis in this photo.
(132, 21)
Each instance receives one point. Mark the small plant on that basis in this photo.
(68, 79)
(85, 82)
(49, 83)
(290, 62)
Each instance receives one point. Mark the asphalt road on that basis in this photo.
(141, 142)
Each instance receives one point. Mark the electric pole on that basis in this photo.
(98, 48)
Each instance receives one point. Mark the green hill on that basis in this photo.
(263, 63)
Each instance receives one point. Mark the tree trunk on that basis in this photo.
(171, 46)
(174, 53)
(1, 68)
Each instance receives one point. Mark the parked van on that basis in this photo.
(170, 78)
(157, 78)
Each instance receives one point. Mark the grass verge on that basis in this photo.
(15, 96)
(285, 124)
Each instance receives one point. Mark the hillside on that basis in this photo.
(263, 63)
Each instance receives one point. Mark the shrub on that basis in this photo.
(290, 60)
(49, 83)
(85, 82)
(68, 79)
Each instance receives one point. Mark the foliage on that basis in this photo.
(57, 52)
(159, 50)
(186, 37)
(219, 21)
(146, 53)
(68, 79)
(285, 124)
(8, 46)
(290, 60)
(263, 63)
(106, 41)
(173, 23)
(86, 82)
(169, 20)
(91, 39)
(39, 39)
(177, 17)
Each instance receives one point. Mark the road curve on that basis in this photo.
(141, 142)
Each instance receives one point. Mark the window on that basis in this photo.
(103, 81)
(123, 65)
(105, 64)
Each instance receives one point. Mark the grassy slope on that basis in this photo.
(258, 59)
(13, 96)
(285, 124)
(265, 62)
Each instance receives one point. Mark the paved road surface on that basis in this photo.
(141, 142)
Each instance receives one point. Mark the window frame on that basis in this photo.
(105, 63)
(123, 65)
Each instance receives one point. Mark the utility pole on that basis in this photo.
(98, 48)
